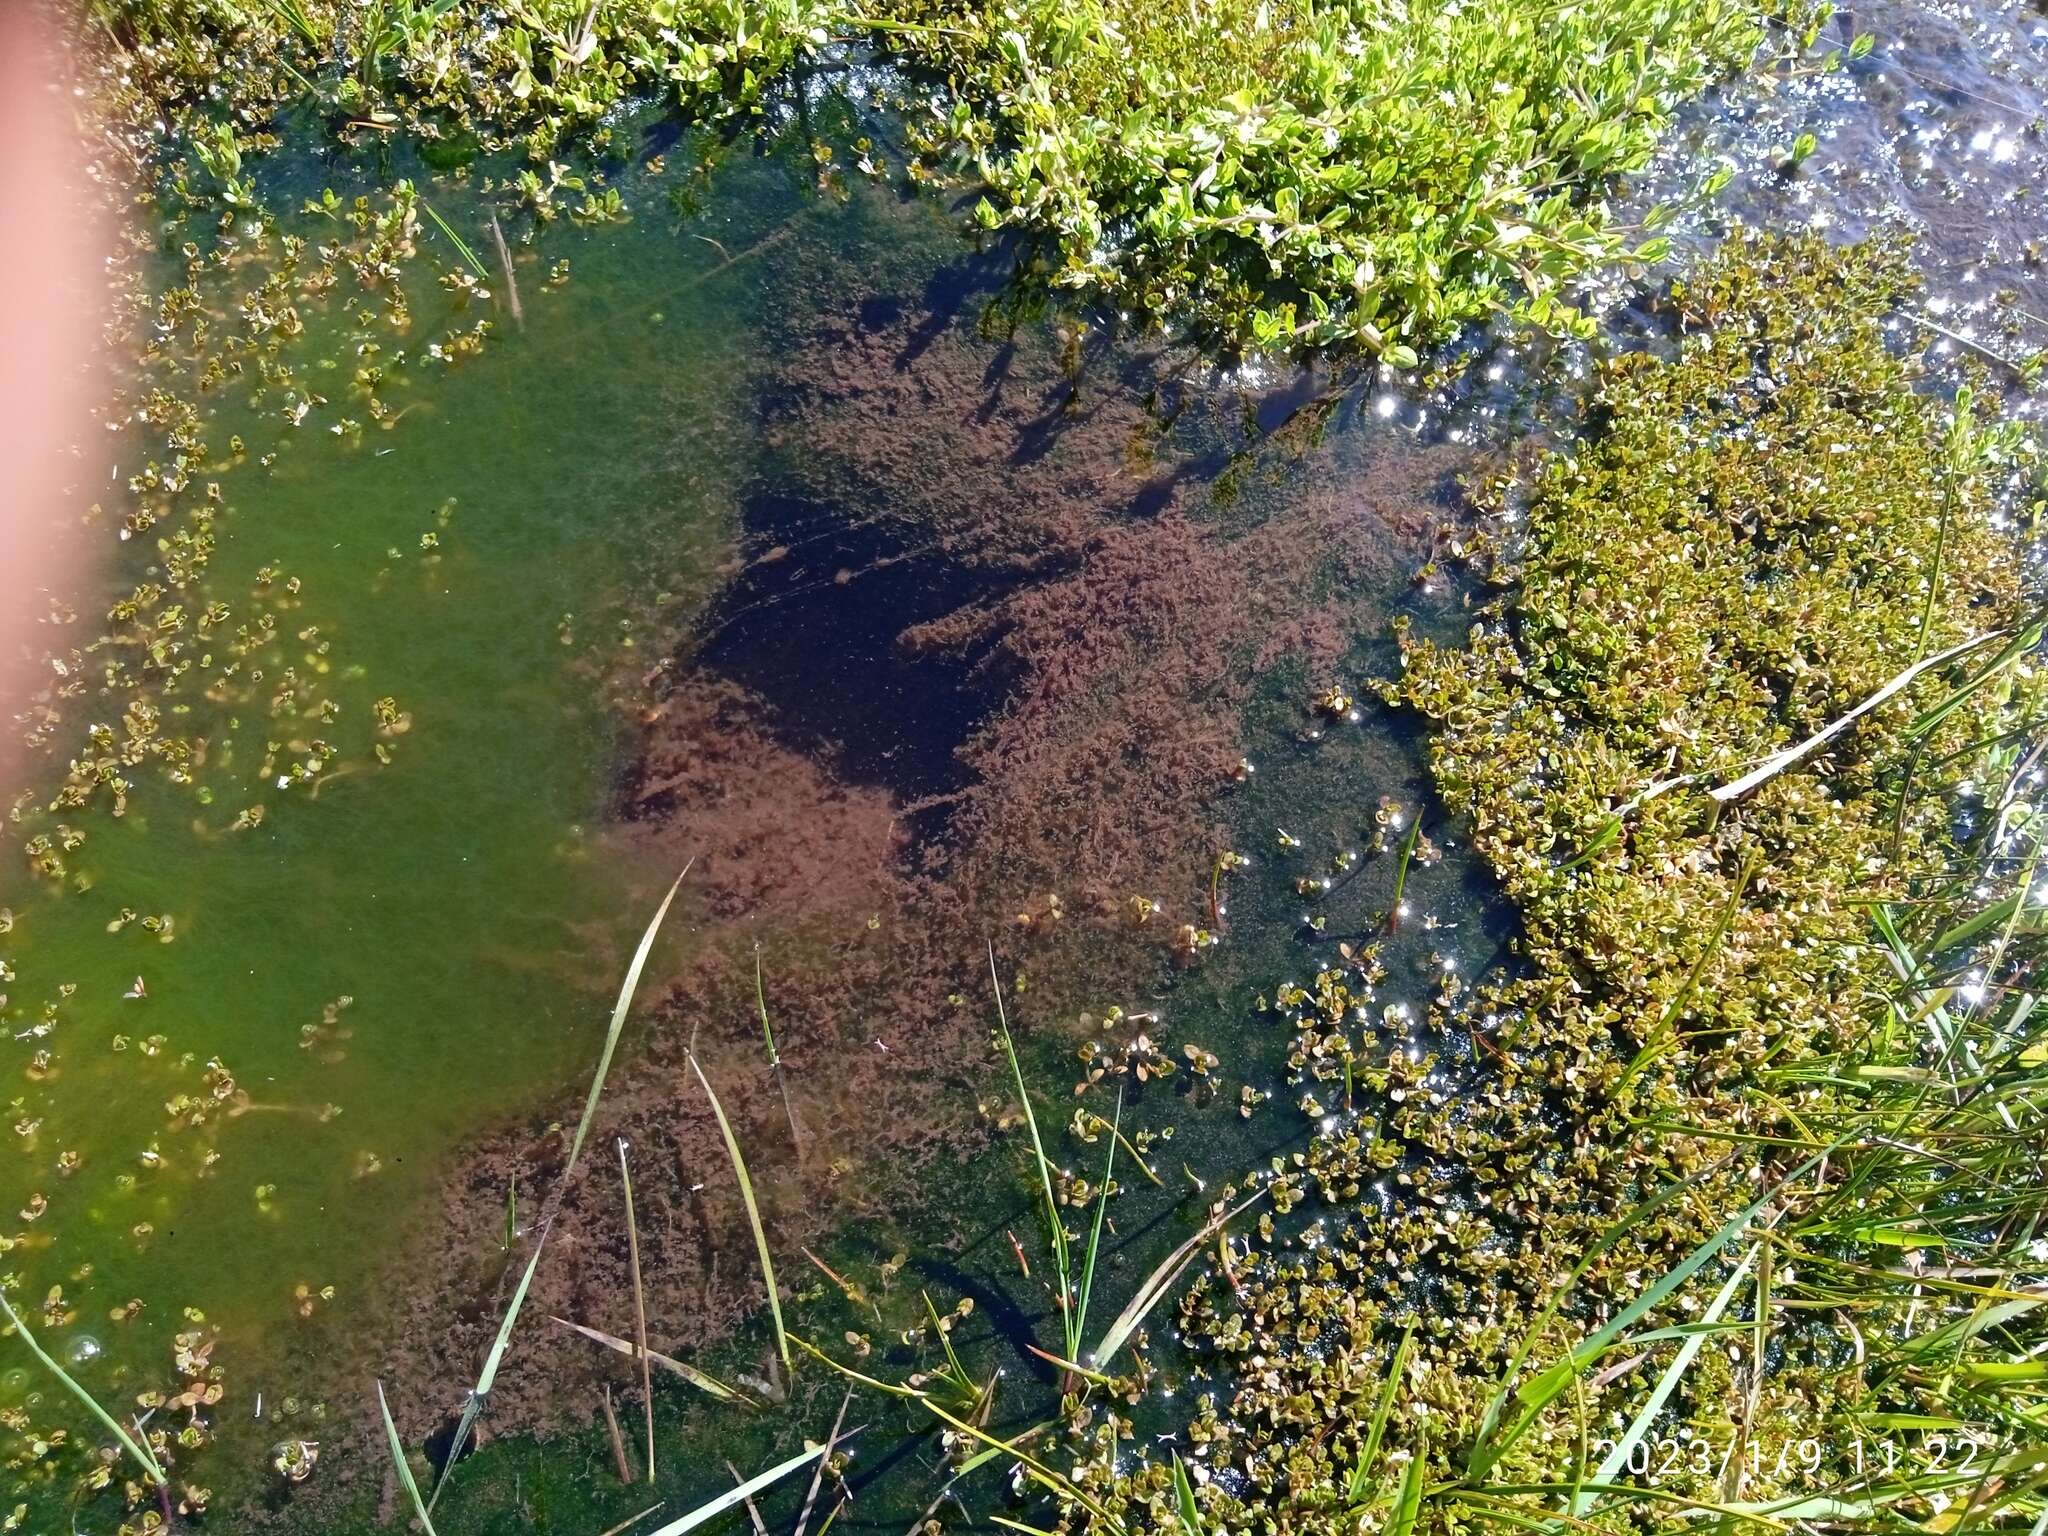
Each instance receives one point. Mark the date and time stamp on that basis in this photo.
(1701, 1457)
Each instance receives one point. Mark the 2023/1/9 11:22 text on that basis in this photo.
(1695, 1456)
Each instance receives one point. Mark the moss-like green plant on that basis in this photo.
(1285, 176)
(1762, 584)
(1360, 176)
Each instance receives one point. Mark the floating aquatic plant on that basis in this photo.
(1680, 740)
(130, 1443)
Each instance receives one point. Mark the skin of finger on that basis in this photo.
(52, 283)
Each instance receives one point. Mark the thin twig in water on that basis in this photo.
(803, 1518)
(618, 1440)
(631, 1520)
(796, 1135)
(511, 280)
(753, 1514)
(1777, 764)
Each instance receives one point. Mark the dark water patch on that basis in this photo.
(815, 627)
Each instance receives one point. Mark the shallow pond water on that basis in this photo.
(750, 545)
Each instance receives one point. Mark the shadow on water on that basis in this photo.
(815, 627)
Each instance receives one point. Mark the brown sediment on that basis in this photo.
(1117, 611)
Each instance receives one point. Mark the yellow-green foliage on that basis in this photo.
(1740, 551)
(1365, 176)
(1741, 554)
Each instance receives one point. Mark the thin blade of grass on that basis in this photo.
(894, 1389)
(639, 1307)
(959, 1372)
(1130, 1151)
(775, 1057)
(2023, 641)
(1068, 1365)
(689, 1373)
(129, 1443)
(1042, 1473)
(1617, 1458)
(1160, 1281)
(505, 268)
(617, 1438)
(618, 1023)
(1362, 1470)
(405, 1477)
(631, 1520)
(469, 257)
(1401, 863)
(488, 1376)
(1056, 1229)
(1490, 1420)
(1538, 1393)
(713, 1508)
(739, 1168)
(1101, 1210)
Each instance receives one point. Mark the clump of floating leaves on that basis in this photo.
(1281, 177)
(1766, 528)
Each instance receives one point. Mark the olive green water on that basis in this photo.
(399, 953)
(504, 563)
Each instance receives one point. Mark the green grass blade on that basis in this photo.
(1361, 1473)
(1064, 1487)
(761, 1004)
(1184, 1497)
(1490, 1420)
(404, 1468)
(1401, 862)
(1055, 1228)
(294, 16)
(739, 1168)
(488, 1376)
(2021, 643)
(1095, 1233)
(735, 1496)
(1537, 1394)
(129, 1443)
(1408, 1508)
(961, 1378)
(1018, 1525)
(1617, 1458)
(1722, 924)
(461, 245)
(639, 1306)
(618, 1023)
